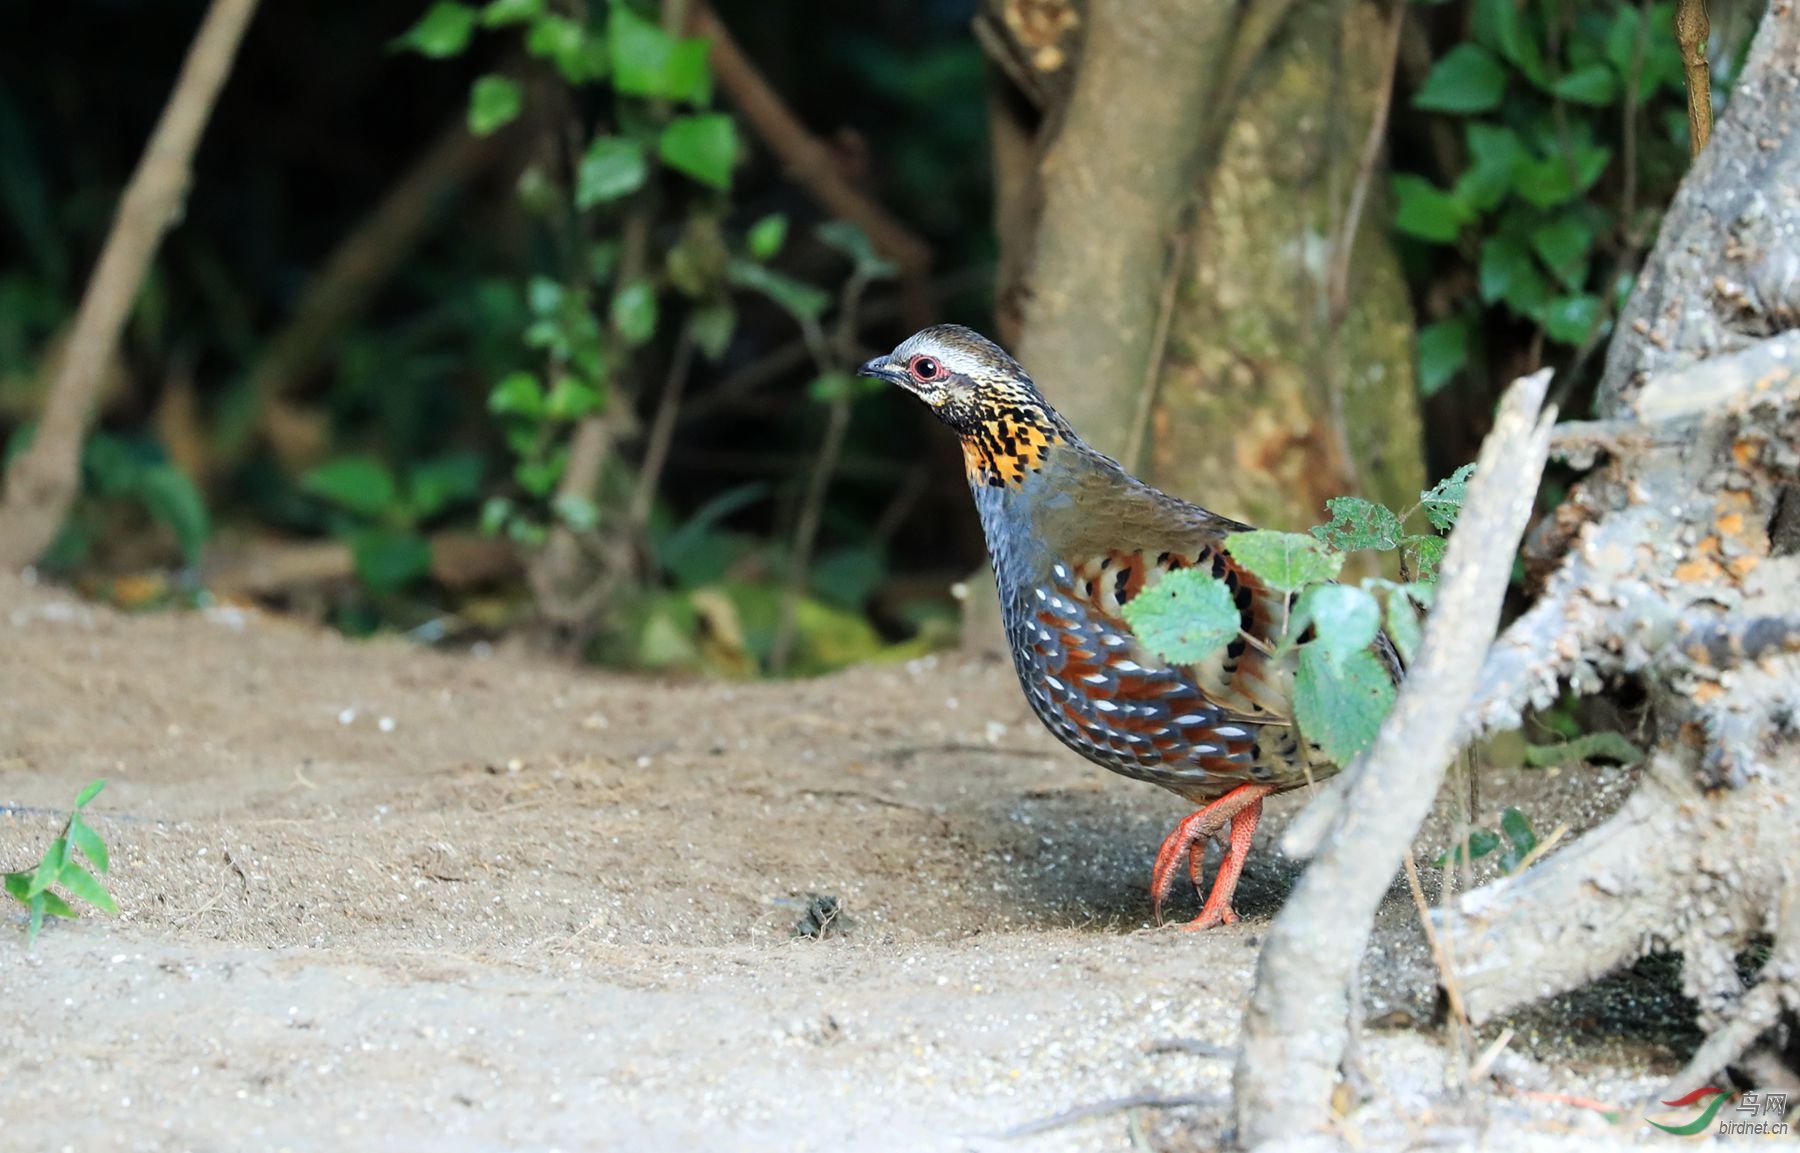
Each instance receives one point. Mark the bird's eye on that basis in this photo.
(925, 368)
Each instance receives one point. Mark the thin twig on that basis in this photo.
(1692, 27)
(43, 481)
(1151, 385)
(662, 432)
(1338, 278)
(1112, 1105)
(810, 162)
(1294, 1030)
(1445, 972)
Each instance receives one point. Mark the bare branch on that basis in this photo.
(1296, 1026)
(1692, 27)
(43, 482)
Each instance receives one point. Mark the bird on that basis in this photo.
(1073, 538)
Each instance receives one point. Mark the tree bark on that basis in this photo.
(1674, 578)
(46, 478)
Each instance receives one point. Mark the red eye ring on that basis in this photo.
(926, 369)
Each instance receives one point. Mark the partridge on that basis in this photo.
(1073, 538)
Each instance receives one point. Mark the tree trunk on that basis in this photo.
(1677, 574)
(1173, 176)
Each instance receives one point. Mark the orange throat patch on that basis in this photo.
(1006, 448)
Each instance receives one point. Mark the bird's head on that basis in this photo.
(973, 386)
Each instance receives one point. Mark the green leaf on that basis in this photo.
(387, 560)
(494, 102)
(634, 312)
(1622, 41)
(1507, 273)
(19, 884)
(495, 512)
(1443, 500)
(1481, 843)
(1399, 616)
(1562, 243)
(1607, 746)
(1570, 319)
(1521, 838)
(567, 44)
(1340, 703)
(1502, 26)
(437, 484)
(1544, 183)
(767, 236)
(612, 167)
(849, 239)
(538, 477)
(1285, 561)
(647, 61)
(359, 484)
(517, 394)
(578, 512)
(172, 499)
(56, 906)
(1428, 212)
(1185, 617)
(1443, 352)
(499, 13)
(1427, 554)
(87, 887)
(832, 387)
(443, 31)
(50, 867)
(88, 794)
(36, 924)
(1592, 84)
(711, 326)
(1357, 523)
(1495, 153)
(1467, 79)
(573, 398)
(704, 147)
(799, 299)
(1345, 619)
(89, 843)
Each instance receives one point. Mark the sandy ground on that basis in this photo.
(382, 898)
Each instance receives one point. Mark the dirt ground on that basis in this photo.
(381, 898)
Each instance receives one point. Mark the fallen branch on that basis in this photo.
(45, 479)
(1296, 1026)
(809, 161)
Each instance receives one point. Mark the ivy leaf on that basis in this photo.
(359, 484)
(1495, 153)
(1562, 243)
(646, 61)
(612, 166)
(1186, 617)
(634, 312)
(1543, 183)
(704, 147)
(517, 394)
(799, 299)
(442, 32)
(494, 102)
(566, 43)
(499, 13)
(1591, 84)
(767, 236)
(1467, 79)
(387, 560)
(172, 499)
(1357, 524)
(1428, 212)
(711, 327)
(1508, 274)
(572, 398)
(1444, 500)
(1285, 561)
(1481, 843)
(1501, 25)
(1340, 703)
(1570, 319)
(435, 485)
(1443, 352)
(1345, 619)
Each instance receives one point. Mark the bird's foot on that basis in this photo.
(1240, 808)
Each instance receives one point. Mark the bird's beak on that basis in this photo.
(883, 368)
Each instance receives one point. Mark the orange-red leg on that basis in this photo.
(1241, 808)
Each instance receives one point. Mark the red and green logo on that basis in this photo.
(1701, 1123)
